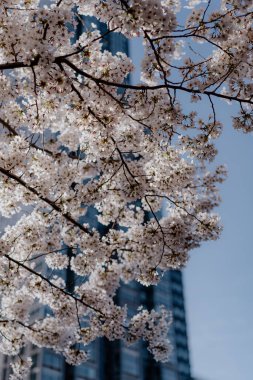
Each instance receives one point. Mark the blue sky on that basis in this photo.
(219, 276)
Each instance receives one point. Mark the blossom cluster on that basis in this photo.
(103, 178)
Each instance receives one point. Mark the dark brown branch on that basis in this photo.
(77, 70)
(157, 87)
(48, 201)
(206, 225)
(18, 65)
(15, 133)
(63, 291)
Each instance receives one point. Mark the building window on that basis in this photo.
(84, 372)
(168, 374)
(52, 360)
(177, 287)
(181, 340)
(184, 368)
(130, 363)
(162, 298)
(34, 360)
(180, 326)
(5, 374)
(178, 313)
(92, 351)
(48, 374)
(183, 354)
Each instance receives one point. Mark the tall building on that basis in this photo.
(114, 360)
(135, 362)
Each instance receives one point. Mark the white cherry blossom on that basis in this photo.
(102, 178)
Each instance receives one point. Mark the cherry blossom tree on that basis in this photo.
(76, 136)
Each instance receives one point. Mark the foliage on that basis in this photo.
(77, 136)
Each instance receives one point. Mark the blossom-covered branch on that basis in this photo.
(77, 137)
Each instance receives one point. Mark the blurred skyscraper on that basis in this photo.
(114, 360)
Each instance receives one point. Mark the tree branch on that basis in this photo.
(77, 70)
(48, 201)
